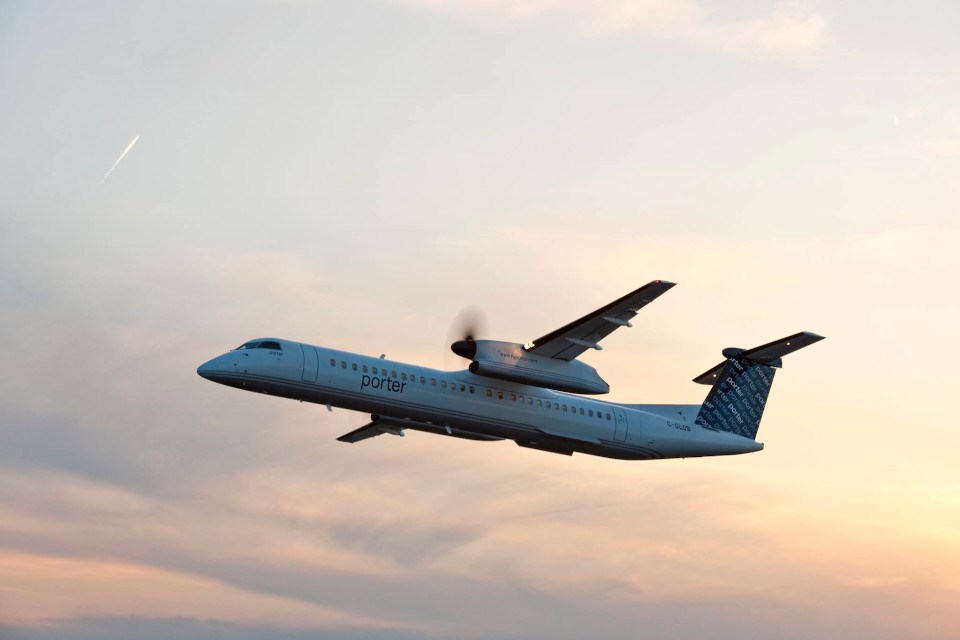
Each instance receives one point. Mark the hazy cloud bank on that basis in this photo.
(791, 30)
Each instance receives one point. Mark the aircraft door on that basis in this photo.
(620, 434)
(311, 363)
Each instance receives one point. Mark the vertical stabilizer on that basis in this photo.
(736, 401)
(742, 384)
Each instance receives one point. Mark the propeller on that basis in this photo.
(464, 331)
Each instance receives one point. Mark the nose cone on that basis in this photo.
(465, 348)
(206, 369)
(212, 368)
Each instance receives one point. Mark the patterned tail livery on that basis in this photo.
(742, 383)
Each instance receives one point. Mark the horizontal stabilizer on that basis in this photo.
(768, 354)
(782, 347)
(709, 377)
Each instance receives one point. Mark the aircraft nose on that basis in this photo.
(212, 367)
(205, 369)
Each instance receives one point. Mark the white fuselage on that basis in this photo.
(462, 404)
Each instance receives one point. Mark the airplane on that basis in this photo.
(533, 394)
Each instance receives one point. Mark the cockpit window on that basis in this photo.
(260, 344)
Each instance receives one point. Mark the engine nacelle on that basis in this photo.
(510, 361)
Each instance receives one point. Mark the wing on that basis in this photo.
(371, 430)
(395, 426)
(567, 343)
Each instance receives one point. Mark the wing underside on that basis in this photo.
(369, 430)
(395, 426)
(568, 342)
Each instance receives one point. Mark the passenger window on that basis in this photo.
(364, 368)
(354, 366)
(471, 389)
(393, 374)
(608, 416)
(333, 362)
(403, 376)
(564, 407)
(489, 393)
(530, 401)
(375, 372)
(443, 384)
(433, 382)
(499, 395)
(581, 410)
(539, 403)
(343, 364)
(423, 380)
(599, 416)
(591, 413)
(463, 388)
(548, 404)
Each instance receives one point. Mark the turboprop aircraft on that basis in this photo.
(533, 393)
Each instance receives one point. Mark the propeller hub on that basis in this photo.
(465, 348)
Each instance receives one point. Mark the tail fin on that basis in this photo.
(742, 383)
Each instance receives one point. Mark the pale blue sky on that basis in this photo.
(353, 174)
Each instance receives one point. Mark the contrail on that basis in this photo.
(125, 152)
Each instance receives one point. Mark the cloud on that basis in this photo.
(384, 187)
(184, 628)
(132, 466)
(790, 30)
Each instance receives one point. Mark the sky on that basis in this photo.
(353, 175)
